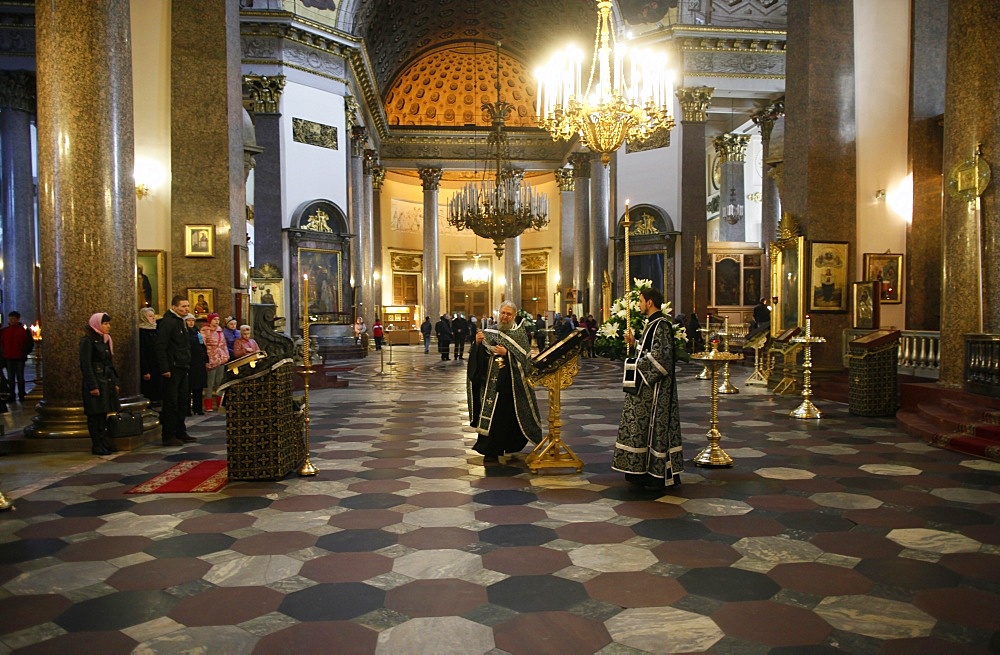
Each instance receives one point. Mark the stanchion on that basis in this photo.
(807, 409)
(307, 467)
(713, 454)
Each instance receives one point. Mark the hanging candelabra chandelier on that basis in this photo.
(629, 94)
(475, 273)
(501, 208)
(732, 213)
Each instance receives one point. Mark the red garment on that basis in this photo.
(243, 347)
(377, 330)
(15, 341)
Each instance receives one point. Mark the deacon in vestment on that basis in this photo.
(502, 405)
(649, 446)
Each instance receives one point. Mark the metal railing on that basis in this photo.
(982, 363)
(919, 352)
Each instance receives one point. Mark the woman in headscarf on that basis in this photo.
(100, 382)
(198, 377)
(149, 372)
(232, 333)
(218, 355)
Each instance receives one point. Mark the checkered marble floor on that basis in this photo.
(841, 535)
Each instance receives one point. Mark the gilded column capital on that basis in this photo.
(731, 147)
(694, 102)
(351, 110)
(369, 161)
(263, 93)
(565, 179)
(581, 164)
(359, 139)
(378, 177)
(431, 178)
(17, 90)
(767, 116)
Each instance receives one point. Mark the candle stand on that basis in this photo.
(807, 410)
(307, 467)
(725, 386)
(706, 372)
(761, 372)
(713, 454)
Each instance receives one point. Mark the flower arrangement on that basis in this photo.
(610, 342)
(528, 319)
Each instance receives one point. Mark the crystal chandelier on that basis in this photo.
(629, 94)
(475, 274)
(501, 208)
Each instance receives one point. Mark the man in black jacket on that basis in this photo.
(173, 357)
(459, 330)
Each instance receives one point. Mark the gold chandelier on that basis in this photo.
(501, 208)
(629, 94)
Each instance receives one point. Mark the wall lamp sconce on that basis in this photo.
(142, 190)
(880, 194)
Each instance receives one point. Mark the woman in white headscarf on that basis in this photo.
(149, 372)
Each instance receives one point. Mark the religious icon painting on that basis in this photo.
(199, 241)
(828, 266)
(887, 269)
(866, 304)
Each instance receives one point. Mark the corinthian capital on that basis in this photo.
(263, 93)
(17, 90)
(581, 164)
(565, 179)
(731, 147)
(766, 116)
(694, 102)
(431, 178)
(359, 139)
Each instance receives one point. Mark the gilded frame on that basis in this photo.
(828, 273)
(887, 268)
(199, 241)
(864, 309)
(788, 284)
(209, 297)
(154, 267)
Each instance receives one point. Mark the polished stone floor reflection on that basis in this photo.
(841, 535)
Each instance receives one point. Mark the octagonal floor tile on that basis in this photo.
(332, 601)
(224, 606)
(664, 630)
(449, 635)
(728, 584)
(772, 624)
(635, 589)
(536, 593)
(346, 567)
(436, 598)
(551, 633)
(820, 579)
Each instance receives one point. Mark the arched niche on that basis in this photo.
(318, 245)
(651, 250)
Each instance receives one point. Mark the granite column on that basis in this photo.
(17, 190)
(265, 97)
(765, 119)
(581, 228)
(694, 103)
(367, 238)
(431, 180)
(600, 197)
(355, 186)
(567, 185)
(86, 203)
(378, 274)
(970, 295)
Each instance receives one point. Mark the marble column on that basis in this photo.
(731, 150)
(567, 186)
(926, 143)
(820, 164)
(368, 241)
(694, 103)
(264, 103)
(600, 211)
(378, 177)
(87, 228)
(765, 119)
(208, 178)
(969, 299)
(581, 162)
(431, 180)
(356, 198)
(17, 190)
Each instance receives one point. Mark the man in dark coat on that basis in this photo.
(425, 330)
(444, 335)
(459, 329)
(173, 358)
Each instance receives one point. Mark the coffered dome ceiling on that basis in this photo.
(434, 62)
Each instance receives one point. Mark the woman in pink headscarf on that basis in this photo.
(100, 382)
(218, 355)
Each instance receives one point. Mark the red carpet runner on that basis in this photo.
(187, 477)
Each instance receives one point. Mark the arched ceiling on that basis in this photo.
(447, 41)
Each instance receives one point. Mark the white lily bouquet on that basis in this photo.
(610, 342)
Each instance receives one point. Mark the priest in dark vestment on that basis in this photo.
(502, 405)
(649, 448)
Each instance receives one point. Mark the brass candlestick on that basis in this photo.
(4, 503)
(807, 409)
(307, 467)
(706, 372)
(628, 284)
(726, 386)
(713, 454)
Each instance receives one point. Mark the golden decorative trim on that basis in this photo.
(788, 227)
(318, 222)
(694, 102)
(264, 93)
(535, 261)
(968, 180)
(565, 179)
(406, 262)
(731, 147)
